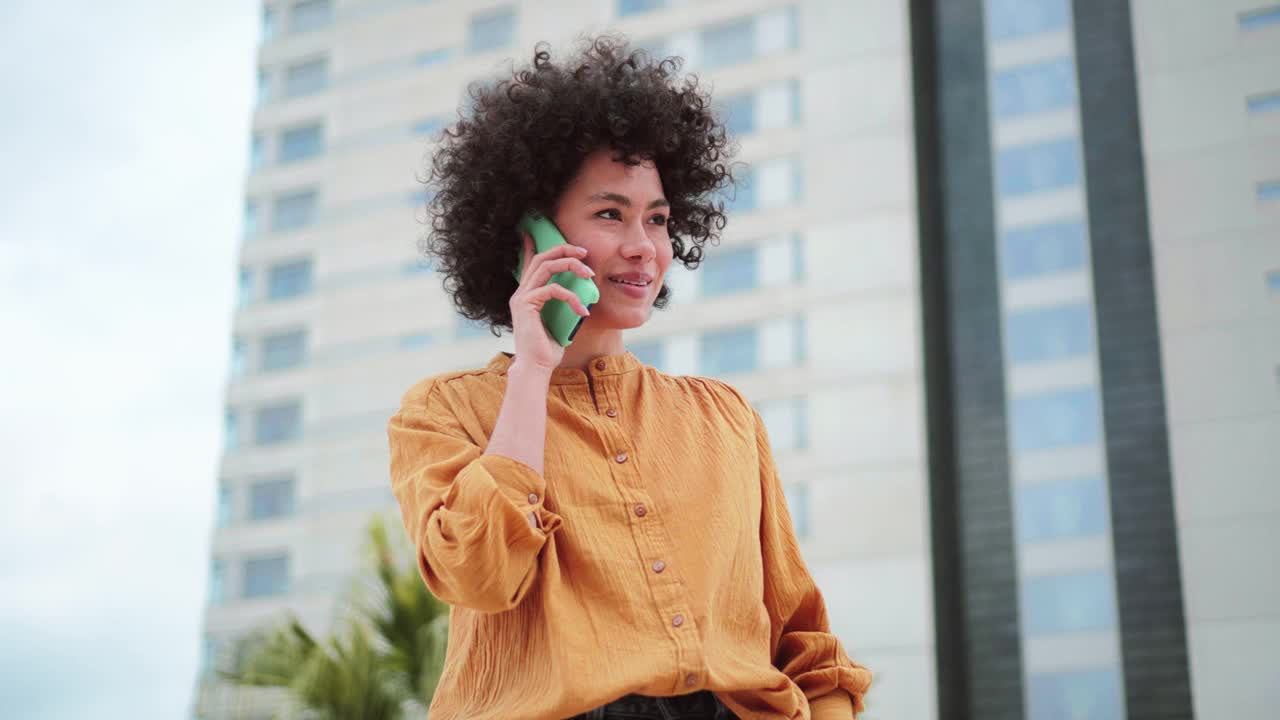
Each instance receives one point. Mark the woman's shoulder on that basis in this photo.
(714, 393)
(434, 392)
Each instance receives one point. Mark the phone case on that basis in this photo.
(558, 316)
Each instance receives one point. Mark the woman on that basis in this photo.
(613, 541)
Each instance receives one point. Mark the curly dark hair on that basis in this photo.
(523, 139)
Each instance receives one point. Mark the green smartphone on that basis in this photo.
(558, 316)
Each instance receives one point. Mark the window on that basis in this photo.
(255, 152)
(280, 423)
(730, 272)
(1258, 19)
(1034, 88)
(472, 329)
(294, 210)
(416, 341)
(428, 126)
(226, 508)
(284, 350)
(728, 43)
(786, 423)
(1044, 249)
(769, 184)
(237, 358)
(432, 57)
(728, 351)
(798, 506)
(268, 24)
(1062, 509)
(1273, 281)
(264, 86)
(636, 7)
(648, 352)
(1263, 103)
(1053, 420)
(1068, 603)
(1011, 19)
(210, 655)
(492, 30)
(217, 582)
(266, 576)
(797, 258)
(781, 342)
(1091, 695)
(250, 218)
(301, 143)
(289, 279)
(271, 498)
(306, 78)
(244, 289)
(739, 113)
(1049, 334)
(418, 267)
(308, 15)
(1037, 168)
(231, 430)
(1269, 191)
(744, 192)
(775, 105)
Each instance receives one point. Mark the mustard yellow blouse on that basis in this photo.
(664, 560)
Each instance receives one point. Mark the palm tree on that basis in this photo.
(384, 661)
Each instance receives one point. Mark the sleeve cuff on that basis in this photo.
(522, 487)
(835, 705)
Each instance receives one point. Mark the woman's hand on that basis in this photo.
(534, 345)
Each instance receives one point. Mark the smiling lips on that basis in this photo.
(633, 284)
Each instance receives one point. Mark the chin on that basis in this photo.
(621, 318)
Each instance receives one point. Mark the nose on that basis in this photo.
(637, 245)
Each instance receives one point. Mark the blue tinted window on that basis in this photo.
(268, 25)
(743, 193)
(278, 423)
(217, 582)
(250, 218)
(739, 112)
(728, 43)
(415, 341)
(1053, 420)
(1044, 249)
(1273, 281)
(284, 350)
(289, 280)
(429, 126)
(264, 86)
(1062, 509)
(797, 495)
(231, 430)
(1088, 695)
(1068, 603)
(472, 329)
(1264, 103)
(226, 508)
(432, 57)
(800, 338)
(730, 272)
(295, 210)
(237, 358)
(492, 30)
(416, 267)
(309, 15)
(797, 257)
(649, 352)
(1034, 88)
(1049, 334)
(306, 78)
(1035, 168)
(1008, 19)
(271, 498)
(636, 7)
(266, 576)
(301, 143)
(728, 351)
(1258, 19)
(255, 152)
(1269, 191)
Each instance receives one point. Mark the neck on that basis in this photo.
(588, 345)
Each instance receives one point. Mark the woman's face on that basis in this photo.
(618, 213)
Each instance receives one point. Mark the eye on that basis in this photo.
(658, 219)
(615, 215)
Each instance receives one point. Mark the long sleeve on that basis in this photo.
(467, 513)
(801, 642)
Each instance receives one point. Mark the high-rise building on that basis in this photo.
(1026, 248)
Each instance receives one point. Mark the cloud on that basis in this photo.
(119, 211)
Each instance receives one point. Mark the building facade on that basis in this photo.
(1027, 248)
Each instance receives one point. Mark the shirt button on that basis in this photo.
(611, 412)
(533, 498)
(641, 510)
(659, 566)
(600, 365)
(677, 621)
(620, 457)
(690, 680)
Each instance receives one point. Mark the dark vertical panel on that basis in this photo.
(1148, 581)
(979, 667)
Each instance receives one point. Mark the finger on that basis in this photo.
(526, 253)
(540, 296)
(559, 265)
(559, 251)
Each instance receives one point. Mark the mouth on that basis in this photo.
(638, 288)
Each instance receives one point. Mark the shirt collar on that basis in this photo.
(600, 366)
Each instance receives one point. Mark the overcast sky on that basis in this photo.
(123, 137)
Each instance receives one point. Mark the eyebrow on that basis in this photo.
(626, 201)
